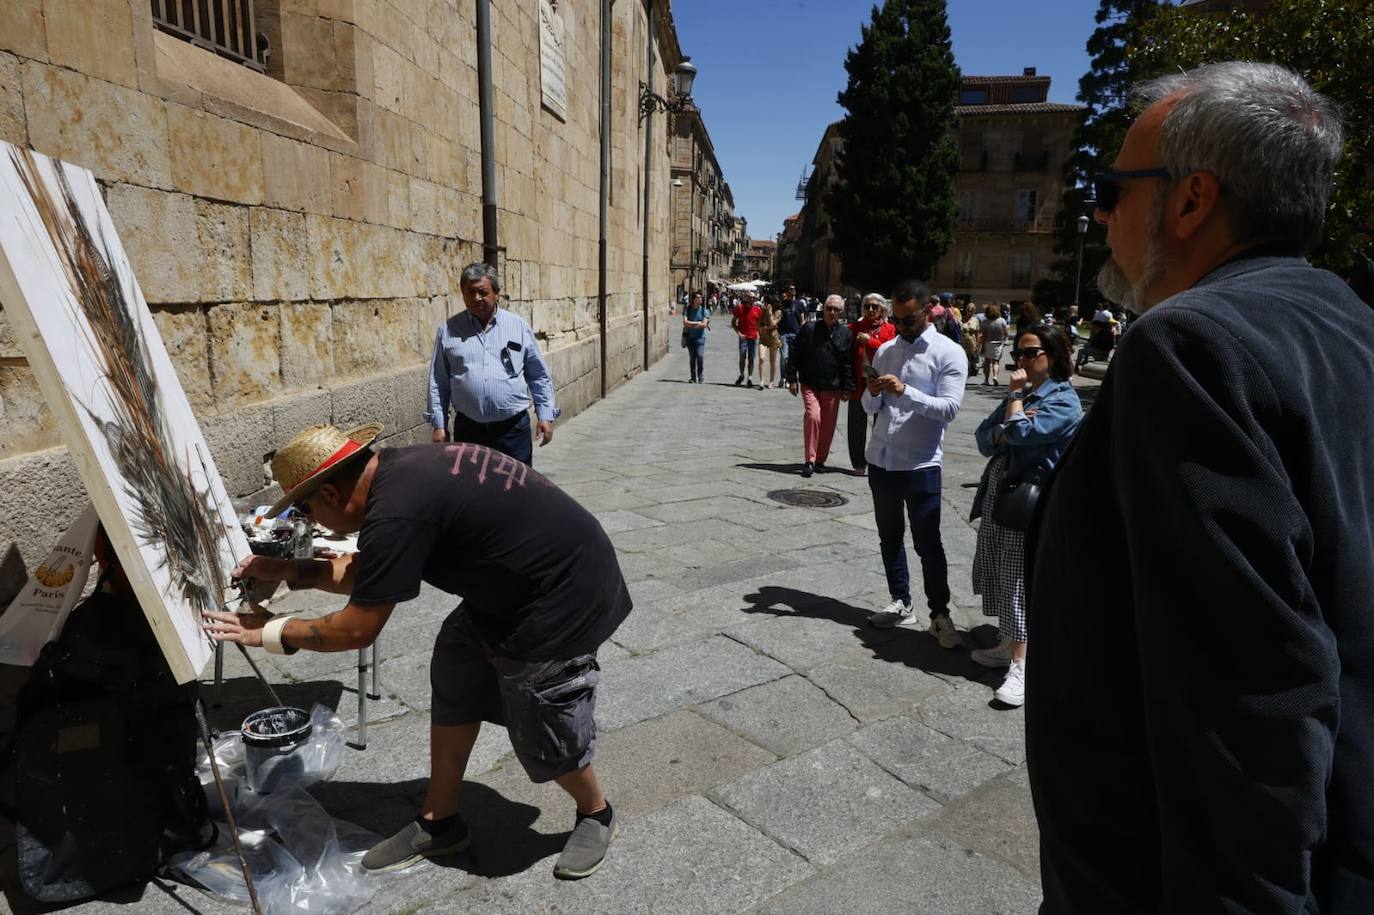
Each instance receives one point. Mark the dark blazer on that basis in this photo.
(821, 358)
(1200, 709)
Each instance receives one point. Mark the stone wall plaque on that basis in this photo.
(553, 56)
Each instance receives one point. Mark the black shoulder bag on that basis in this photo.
(1016, 500)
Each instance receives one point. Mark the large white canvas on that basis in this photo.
(71, 299)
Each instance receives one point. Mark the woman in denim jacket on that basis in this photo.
(1024, 436)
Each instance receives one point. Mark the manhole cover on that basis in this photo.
(808, 498)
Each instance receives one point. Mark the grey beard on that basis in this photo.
(1114, 285)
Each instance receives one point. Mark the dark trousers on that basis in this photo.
(509, 436)
(696, 357)
(919, 492)
(856, 431)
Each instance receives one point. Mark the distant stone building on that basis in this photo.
(298, 192)
(758, 259)
(1013, 143)
(702, 208)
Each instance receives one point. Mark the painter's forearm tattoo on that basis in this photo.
(312, 639)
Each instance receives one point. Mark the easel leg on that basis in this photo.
(361, 742)
(218, 692)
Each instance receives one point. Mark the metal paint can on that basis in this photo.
(272, 743)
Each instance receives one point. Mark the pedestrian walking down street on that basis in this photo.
(992, 341)
(915, 395)
(745, 322)
(487, 365)
(793, 315)
(770, 341)
(1024, 437)
(822, 367)
(1200, 730)
(696, 323)
(870, 332)
(540, 591)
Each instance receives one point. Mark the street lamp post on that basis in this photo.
(679, 97)
(1078, 275)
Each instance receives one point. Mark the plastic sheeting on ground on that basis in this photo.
(303, 861)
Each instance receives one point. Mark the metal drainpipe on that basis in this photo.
(605, 182)
(486, 112)
(648, 176)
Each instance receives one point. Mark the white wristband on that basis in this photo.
(271, 635)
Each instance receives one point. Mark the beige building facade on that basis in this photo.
(1013, 145)
(298, 202)
(702, 211)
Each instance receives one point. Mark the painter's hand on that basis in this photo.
(244, 628)
(265, 568)
(438, 435)
(543, 430)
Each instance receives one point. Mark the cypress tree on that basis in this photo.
(892, 209)
(1105, 89)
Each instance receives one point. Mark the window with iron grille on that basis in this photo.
(225, 27)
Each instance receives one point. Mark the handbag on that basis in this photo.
(1016, 503)
(684, 338)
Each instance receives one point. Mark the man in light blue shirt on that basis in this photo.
(487, 366)
(915, 392)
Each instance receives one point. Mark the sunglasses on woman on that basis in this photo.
(1029, 352)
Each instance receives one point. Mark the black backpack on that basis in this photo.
(105, 749)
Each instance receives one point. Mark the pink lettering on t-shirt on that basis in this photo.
(515, 472)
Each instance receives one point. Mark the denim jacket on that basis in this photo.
(1038, 441)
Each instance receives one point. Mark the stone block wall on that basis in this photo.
(298, 233)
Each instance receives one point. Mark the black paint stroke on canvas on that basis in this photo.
(171, 515)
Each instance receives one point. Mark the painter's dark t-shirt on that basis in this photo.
(538, 576)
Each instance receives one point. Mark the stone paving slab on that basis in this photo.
(998, 821)
(966, 713)
(644, 687)
(785, 716)
(914, 876)
(689, 858)
(925, 759)
(871, 690)
(824, 803)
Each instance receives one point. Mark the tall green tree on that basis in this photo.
(1105, 89)
(892, 210)
(1329, 42)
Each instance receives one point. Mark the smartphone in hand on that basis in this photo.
(869, 371)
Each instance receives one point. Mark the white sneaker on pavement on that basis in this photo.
(997, 656)
(1013, 688)
(897, 613)
(942, 628)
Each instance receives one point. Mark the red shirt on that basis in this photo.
(747, 316)
(863, 352)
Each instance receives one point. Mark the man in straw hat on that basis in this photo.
(541, 590)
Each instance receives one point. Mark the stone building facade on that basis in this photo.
(298, 232)
(703, 208)
(1013, 143)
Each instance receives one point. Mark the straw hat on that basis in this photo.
(306, 462)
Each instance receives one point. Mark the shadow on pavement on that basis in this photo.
(791, 469)
(240, 697)
(899, 646)
(503, 839)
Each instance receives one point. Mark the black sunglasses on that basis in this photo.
(1107, 186)
(1029, 352)
(906, 320)
(303, 505)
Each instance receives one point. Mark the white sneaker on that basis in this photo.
(998, 656)
(897, 613)
(1013, 688)
(942, 628)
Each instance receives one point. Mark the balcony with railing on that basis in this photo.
(224, 27)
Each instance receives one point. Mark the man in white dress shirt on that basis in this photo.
(915, 394)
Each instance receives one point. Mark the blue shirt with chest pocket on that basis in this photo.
(488, 373)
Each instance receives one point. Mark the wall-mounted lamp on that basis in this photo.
(679, 95)
(677, 182)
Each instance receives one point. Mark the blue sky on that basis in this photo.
(770, 71)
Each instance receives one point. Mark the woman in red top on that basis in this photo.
(870, 332)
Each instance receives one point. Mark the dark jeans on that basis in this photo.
(856, 431)
(919, 492)
(509, 436)
(696, 357)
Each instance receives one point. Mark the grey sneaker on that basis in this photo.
(412, 844)
(586, 848)
(942, 627)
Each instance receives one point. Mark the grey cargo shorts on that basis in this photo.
(547, 706)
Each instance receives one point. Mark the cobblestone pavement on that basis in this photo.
(766, 749)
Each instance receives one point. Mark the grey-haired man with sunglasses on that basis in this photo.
(1200, 730)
